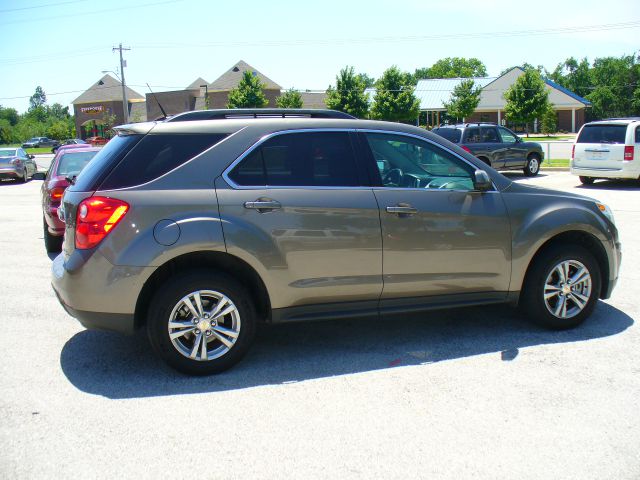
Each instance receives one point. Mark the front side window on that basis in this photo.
(506, 135)
(407, 162)
(300, 160)
(472, 135)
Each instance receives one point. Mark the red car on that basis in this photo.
(96, 140)
(67, 163)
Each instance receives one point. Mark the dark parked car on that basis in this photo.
(198, 230)
(68, 163)
(16, 164)
(495, 145)
(69, 141)
(36, 142)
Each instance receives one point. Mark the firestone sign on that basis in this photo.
(92, 110)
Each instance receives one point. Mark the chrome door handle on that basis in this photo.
(263, 205)
(402, 209)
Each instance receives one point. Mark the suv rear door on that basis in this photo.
(484, 142)
(440, 237)
(297, 209)
(601, 146)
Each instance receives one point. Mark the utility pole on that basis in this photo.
(125, 107)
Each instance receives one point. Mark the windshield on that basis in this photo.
(7, 152)
(603, 134)
(72, 163)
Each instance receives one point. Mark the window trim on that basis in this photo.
(359, 160)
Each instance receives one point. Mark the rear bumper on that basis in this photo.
(100, 295)
(628, 171)
(10, 172)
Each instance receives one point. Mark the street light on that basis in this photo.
(125, 109)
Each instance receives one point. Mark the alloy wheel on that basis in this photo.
(567, 289)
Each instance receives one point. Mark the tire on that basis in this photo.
(532, 168)
(25, 176)
(52, 243)
(222, 351)
(545, 277)
(587, 180)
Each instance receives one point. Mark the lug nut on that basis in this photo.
(208, 333)
(197, 332)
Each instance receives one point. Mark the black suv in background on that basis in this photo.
(495, 145)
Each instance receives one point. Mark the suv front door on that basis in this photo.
(440, 236)
(297, 209)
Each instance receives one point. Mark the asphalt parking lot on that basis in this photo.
(470, 393)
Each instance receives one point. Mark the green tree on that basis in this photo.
(394, 99)
(464, 99)
(9, 114)
(574, 75)
(549, 122)
(108, 121)
(289, 99)
(38, 99)
(527, 98)
(348, 96)
(59, 130)
(6, 131)
(452, 67)
(58, 112)
(248, 94)
(368, 81)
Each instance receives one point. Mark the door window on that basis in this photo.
(472, 135)
(506, 135)
(489, 135)
(406, 162)
(300, 160)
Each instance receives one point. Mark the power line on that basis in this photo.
(95, 12)
(40, 6)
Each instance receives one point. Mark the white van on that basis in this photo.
(607, 149)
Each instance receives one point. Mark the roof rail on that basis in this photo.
(241, 113)
(619, 118)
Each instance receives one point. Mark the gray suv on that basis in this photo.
(199, 227)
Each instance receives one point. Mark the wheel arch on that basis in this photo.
(575, 237)
(219, 261)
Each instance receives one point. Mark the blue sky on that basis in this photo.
(63, 45)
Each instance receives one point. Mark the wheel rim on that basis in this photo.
(567, 289)
(204, 325)
(533, 165)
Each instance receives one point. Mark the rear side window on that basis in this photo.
(300, 160)
(637, 134)
(489, 135)
(603, 134)
(451, 134)
(472, 135)
(114, 151)
(156, 155)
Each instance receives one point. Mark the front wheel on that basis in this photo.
(201, 322)
(562, 287)
(532, 167)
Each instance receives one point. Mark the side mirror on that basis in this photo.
(39, 176)
(481, 181)
(31, 156)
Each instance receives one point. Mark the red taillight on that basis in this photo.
(628, 152)
(466, 149)
(573, 151)
(95, 218)
(56, 194)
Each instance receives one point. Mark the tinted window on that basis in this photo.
(506, 135)
(72, 163)
(300, 159)
(451, 134)
(156, 155)
(489, 135)
(103, 162)
(472, 135)
(407, 162)
(602, 134)
(637, 134)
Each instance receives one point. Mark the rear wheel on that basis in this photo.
(561, 289)
(532, 167)
(587, 180)
(201, 322)
(52, 243)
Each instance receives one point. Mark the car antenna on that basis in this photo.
(158, 102)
